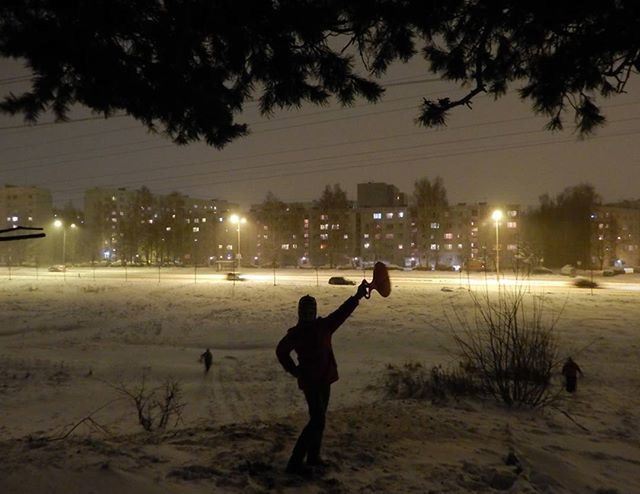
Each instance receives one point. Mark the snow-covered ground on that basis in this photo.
(65, 343)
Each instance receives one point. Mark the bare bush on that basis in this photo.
(157, 406)
(509, 347)
(412, 380)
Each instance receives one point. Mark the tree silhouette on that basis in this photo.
(335, 241)
(563, 226)
(189, 67)
(430, 203)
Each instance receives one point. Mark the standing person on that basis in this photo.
(570, 371)
(207, 358)
(316, 371)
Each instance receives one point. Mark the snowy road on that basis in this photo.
(308, 277)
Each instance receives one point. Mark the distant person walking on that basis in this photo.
(207, 359)
(570, 371)
(316, 371)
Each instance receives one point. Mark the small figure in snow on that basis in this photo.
(570, 371)
(316, 370)
(207, 358)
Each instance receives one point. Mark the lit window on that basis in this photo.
(294, 246)
(513, 213)
(285, 247)
(512, 224)
(204, 220)
(366, 245)
(345, 236)
(229, 247)
(14, 218)
(196, 229)
(168, 228)
(459, 246)
(377, 216)
(389, 216)
(366, 235)
(324, 217)
(512, 247)
(401, 214)
(434, 247)
(335, 227)
(388, 236)
(448, 236)
(324, 236)
(435, 226)
(400, 247)
(196, 220)
(324, 227)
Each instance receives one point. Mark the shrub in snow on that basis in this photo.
(509, 346)
(414, 381)
(157, 406)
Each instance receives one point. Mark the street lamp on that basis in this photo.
(237, 220)
(60, 224)
(497, 216)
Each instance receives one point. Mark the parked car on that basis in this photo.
(58, 268)
(235, 277)
(541, 270)
(613, 271)
(568, 270)
(340, 280)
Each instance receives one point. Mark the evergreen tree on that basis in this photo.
(189, 68)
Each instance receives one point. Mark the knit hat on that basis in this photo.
(307, 309)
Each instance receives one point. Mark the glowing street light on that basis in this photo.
(237, 220)
(60, 224)
(497, 216)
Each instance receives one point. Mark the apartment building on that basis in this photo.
(138, 226)
(25, 206)
(616, 236)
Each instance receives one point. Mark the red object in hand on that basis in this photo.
(380, 281)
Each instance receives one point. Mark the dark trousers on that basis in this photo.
(310, 439)
(571, 383)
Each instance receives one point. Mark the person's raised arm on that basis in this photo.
(340, 315)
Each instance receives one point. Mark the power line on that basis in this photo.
(367, 163)
(49, 124)
(164, 146)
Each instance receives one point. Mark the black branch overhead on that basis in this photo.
(189, 68)
(8, 238)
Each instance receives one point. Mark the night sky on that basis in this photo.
(497, 151)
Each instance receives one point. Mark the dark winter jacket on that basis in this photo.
(312, 343)
(571, 369)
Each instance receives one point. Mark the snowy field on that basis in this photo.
(67, 340)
